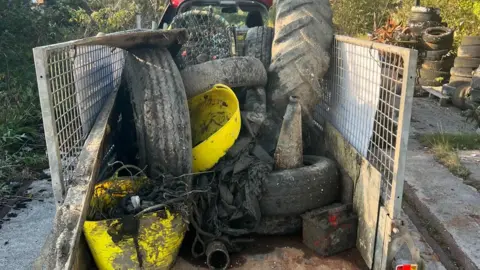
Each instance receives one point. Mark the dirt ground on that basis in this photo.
(429, 117)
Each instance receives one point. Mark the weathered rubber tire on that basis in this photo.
(466, 62)
(258, 44)
(460, 96)
(435, 55)
(425, 17)
(300, 52)
(422, 9)
(233, 72)
(437, 38)
(279, 225)
(440, 65)
(161, 114)
(429, 82)
(462, 72)
(428, 74)
(460, 79)
(294, 191)
(471, 41)
(469, 51)
(418, 27)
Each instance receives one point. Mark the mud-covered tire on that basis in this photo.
(466, 62)
(460, 79)
(460, 96)
(470, 41)
(300, 52)
(258, 44)
(428, 74)
(429, 82)
(440, 65)
(279, 225)
(462, 72)
(161, 114)
(435, 55)
(469, 51)
(425, 17)
(233, 72)
(294, 191)
(437, 38)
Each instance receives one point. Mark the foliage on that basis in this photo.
(110, 16)
(445, 149)
(360, 16)
(22, 28)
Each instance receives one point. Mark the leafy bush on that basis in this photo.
(358, 17)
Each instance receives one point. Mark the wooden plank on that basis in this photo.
(382, 239)
(138, 38)
(366, 201)
(62, 250)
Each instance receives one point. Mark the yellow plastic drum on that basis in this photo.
(151, 241)
(215, 121)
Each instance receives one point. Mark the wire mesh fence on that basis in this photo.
(210, 37)
(363, 100)
(74, 83)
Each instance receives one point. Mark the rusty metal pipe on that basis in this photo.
(217, 255)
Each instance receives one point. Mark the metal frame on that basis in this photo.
(390, 204)
(74, 82)
(409, 57)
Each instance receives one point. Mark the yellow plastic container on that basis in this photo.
(113, 241)
(215, 120)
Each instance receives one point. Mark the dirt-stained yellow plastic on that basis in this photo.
(215, 121)
(159, 235)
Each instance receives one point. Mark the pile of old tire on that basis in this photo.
(422, 18)
(475, 87)
(468, 59)
(437, 42)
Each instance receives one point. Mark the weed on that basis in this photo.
(445, 146)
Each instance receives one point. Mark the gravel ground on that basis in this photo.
(23, 233)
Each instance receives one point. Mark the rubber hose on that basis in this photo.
(217, 255)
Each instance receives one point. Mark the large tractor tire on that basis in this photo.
(258, 44)
(300, 52)
(161, 114)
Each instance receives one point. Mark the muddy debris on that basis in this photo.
(12, 215)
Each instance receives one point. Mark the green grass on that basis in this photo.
(22, 155)
(445, 149)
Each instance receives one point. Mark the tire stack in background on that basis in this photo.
(423, 17)
(437, 62)
(435, 43)
(467, 61)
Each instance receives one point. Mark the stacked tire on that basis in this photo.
(422, 18)
(437, 42)
(468, 59)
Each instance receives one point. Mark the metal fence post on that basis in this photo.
(403, 131)
(41, 66)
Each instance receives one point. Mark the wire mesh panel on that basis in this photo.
(210, 37)
(368, 100)
(74, 83)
